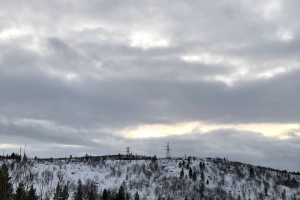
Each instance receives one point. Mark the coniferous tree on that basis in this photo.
(136, 196)
(160, 198)
(266, 190)
(104, 195)
(20, 192)
(32, 194)
(6, 188)
(58, 192)
(65, 193)
(283, 195)
(194, 176)
(202, 188)
(251, 172)
(13, 155)
(189, 159)
(18, 158)
(187, 166)
(202, 176)
(190, 173)
(113, 195)
(202, 165)
(79, 192)
(91, 194)
(181, 173)
(154, 158)
(127, 196)
(121, 193)
(294, 197)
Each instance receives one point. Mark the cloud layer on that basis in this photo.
(75, 75)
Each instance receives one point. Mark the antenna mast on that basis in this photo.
(168, 151)
(127, 151)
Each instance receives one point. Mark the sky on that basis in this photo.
(213, 78)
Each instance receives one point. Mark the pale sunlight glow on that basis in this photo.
(206, 58)
(69, 146)
(8, 146)
(12, 33)
(69, 76)
(158, 130)
(147, 40)
(161, 130)
(284, 35)
(271, 8)
(271, 73)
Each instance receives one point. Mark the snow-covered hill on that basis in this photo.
(207, 178)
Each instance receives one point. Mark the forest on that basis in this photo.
(134, 177)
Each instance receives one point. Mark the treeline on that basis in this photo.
(88, 191)
(6, 188)
(99, 158)
(168, 179)
(279, 171)
(12, 156)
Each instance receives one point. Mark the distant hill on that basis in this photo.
(151, 178)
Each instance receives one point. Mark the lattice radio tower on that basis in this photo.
(168, 151)
(127, 151)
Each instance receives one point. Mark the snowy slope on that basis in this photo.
(221, 178)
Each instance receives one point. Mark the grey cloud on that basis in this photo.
(124, 102)
(244, 146)
(291, 134)
(12, 133)
(119, 86)
(240, 146)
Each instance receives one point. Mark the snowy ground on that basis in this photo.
(150, 179)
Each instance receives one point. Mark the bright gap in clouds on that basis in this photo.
(271, 9)
(12, 33)
(284, 35)
(241, 70)
(9, 146)
(147, 40)
(63, 75)
(206, 58)
(162, 130)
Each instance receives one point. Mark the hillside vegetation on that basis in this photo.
(138, 177)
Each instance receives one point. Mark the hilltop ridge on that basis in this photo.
(152, 178)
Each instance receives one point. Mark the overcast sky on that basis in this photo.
(213, 78)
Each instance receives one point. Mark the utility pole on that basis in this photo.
(168, 151)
